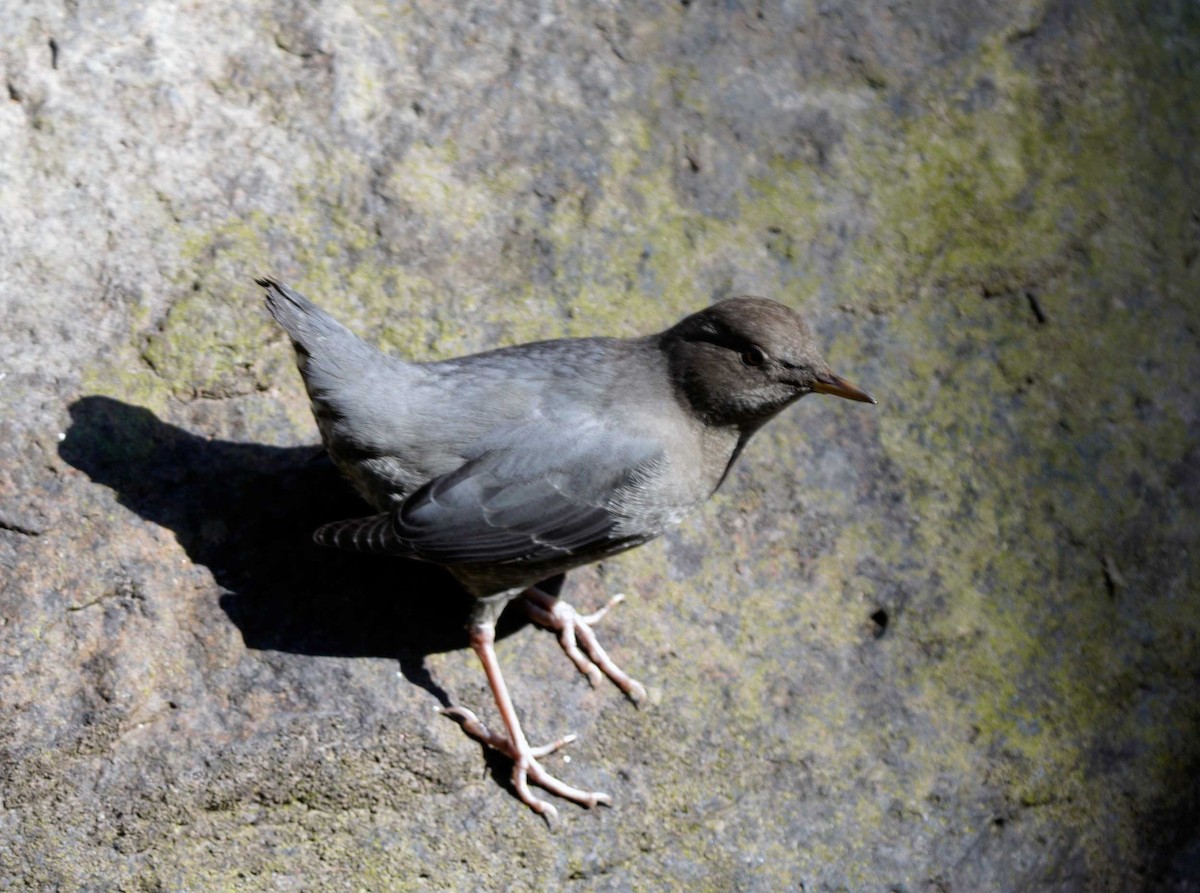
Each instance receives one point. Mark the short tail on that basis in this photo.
(372, 534)
(303, 320)
(332, 360)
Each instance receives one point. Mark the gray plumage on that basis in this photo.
(512, 466)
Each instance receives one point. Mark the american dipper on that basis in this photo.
(512, 466)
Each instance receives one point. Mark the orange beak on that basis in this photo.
(839, 387)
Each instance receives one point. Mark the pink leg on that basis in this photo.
(574, 630)
(526, 768)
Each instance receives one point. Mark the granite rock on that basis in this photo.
(949, 644)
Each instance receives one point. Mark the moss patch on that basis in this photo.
(1037, 418)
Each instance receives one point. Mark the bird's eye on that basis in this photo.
(753, 356)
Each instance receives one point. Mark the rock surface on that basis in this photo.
(944, 644)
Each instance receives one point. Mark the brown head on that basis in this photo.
(741, 361)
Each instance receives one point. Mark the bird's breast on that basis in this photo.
(662, 493)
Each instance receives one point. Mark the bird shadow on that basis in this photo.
(246, 512)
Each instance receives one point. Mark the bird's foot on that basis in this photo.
(526, 768)
(474, 726)
(575, 630)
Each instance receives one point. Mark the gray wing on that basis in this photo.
(535, 500)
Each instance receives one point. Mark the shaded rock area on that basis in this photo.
(948, 643)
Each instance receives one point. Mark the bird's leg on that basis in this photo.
(526, 768)
(575, 630)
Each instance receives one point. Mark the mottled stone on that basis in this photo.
(947, 644)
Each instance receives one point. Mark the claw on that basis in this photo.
(575, 630)
(526, 767)
(597, 616)
(475, 728)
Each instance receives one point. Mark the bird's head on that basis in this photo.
(741, 361)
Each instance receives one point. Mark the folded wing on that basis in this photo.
(535, 498)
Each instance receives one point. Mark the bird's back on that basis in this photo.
(391, 425)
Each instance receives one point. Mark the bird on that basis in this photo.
(512, 466)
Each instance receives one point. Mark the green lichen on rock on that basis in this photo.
(631, 255)
(945, 642)
(208, 344)
(1009, 234)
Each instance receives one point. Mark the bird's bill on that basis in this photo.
(839, 387)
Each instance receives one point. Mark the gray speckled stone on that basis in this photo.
(947, 645)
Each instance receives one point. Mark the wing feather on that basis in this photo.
(514, 504)
(537, 496)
